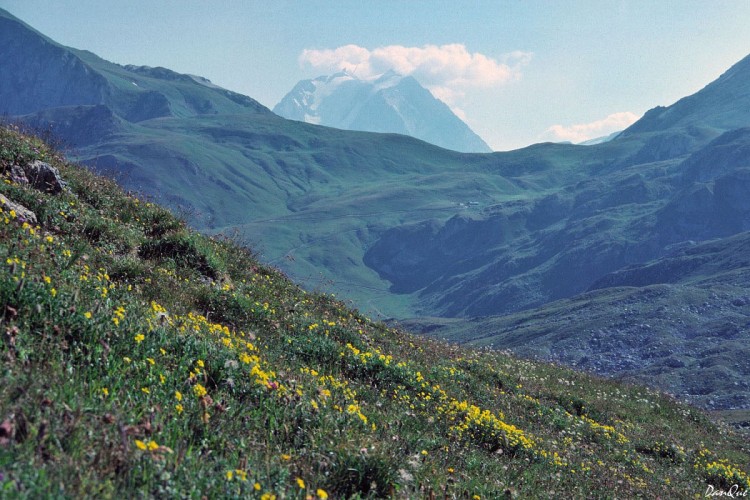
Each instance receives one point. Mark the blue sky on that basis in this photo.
(517, 71)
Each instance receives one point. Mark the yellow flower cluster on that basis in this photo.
(118, 315)
(353, 409)
(15, 263)
(720, 472)
(200, 391)
(198, 324)
(344, 395)
(606, 431)
(485, 427)
(466, 420)
(368, 357)
(240, 474)
(150, 446)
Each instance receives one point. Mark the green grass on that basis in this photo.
(301, 194)
(142, 359)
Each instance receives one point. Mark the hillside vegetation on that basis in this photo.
(142, 359)
(678, 323)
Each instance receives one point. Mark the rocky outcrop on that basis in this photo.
(22, 213)
(41, 176)
(17, 175)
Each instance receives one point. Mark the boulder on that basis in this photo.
(44, 177)
(22, 213)
(17, 175)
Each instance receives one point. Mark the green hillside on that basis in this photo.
(400, 227)
(678, 323)
(314, 200)
(142, 359)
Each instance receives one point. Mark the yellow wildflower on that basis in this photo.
(199, 390)
(300, 483)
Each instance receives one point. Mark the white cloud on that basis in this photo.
(348, 57)
(585, 131)
(448, 71)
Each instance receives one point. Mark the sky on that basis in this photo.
(517, 72)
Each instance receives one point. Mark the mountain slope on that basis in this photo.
(389, 103)
(142, 359)
(723, 104)
(39, 74)
(680, 323)
(685, 182)
(58, 77)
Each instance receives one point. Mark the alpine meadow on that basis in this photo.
(200, 298)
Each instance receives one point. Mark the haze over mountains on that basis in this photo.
(552, 246)
(389, 103)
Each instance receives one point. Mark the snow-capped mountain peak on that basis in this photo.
(385, 103)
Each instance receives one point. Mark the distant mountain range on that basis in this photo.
(390, 103)
(599, 140)
(539, 236)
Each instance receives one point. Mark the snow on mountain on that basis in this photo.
(389, 103)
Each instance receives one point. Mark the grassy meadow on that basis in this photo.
(141, 359)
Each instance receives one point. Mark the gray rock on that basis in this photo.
(17, 175)
(44, 177)
(23, 213)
